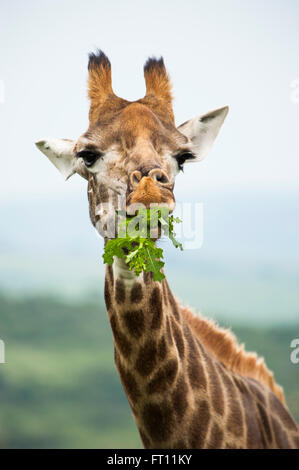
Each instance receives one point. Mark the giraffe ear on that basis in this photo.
(203, 130)
(61, 153)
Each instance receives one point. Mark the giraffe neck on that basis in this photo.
(181, 396)
(149, 352)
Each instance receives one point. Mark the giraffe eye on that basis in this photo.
(89, 157)
(182, 157)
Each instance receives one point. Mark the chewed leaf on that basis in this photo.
(175, 242)
(154, 266)
(115, 247)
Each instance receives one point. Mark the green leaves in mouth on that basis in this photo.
(135, 243)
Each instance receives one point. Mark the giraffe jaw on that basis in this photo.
(121, 271)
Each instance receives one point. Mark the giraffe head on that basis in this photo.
(132, 151)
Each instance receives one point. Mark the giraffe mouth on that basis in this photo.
(132, 209)
(150, 227)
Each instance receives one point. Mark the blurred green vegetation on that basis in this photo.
(59, 387)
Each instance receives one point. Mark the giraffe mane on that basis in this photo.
(223, 344)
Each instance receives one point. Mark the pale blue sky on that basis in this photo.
(241, 53)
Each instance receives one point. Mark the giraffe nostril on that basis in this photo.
(159, 175)
(135, 177)
(161, 178)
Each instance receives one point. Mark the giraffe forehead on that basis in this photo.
(136, 128)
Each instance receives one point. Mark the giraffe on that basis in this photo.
(188, 382)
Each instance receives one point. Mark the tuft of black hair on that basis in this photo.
(153, 63)
(97, 59)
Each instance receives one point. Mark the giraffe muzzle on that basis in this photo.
(149, 191)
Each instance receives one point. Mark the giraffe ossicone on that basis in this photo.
(188, 382)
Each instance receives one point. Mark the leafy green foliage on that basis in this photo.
(135, 243)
